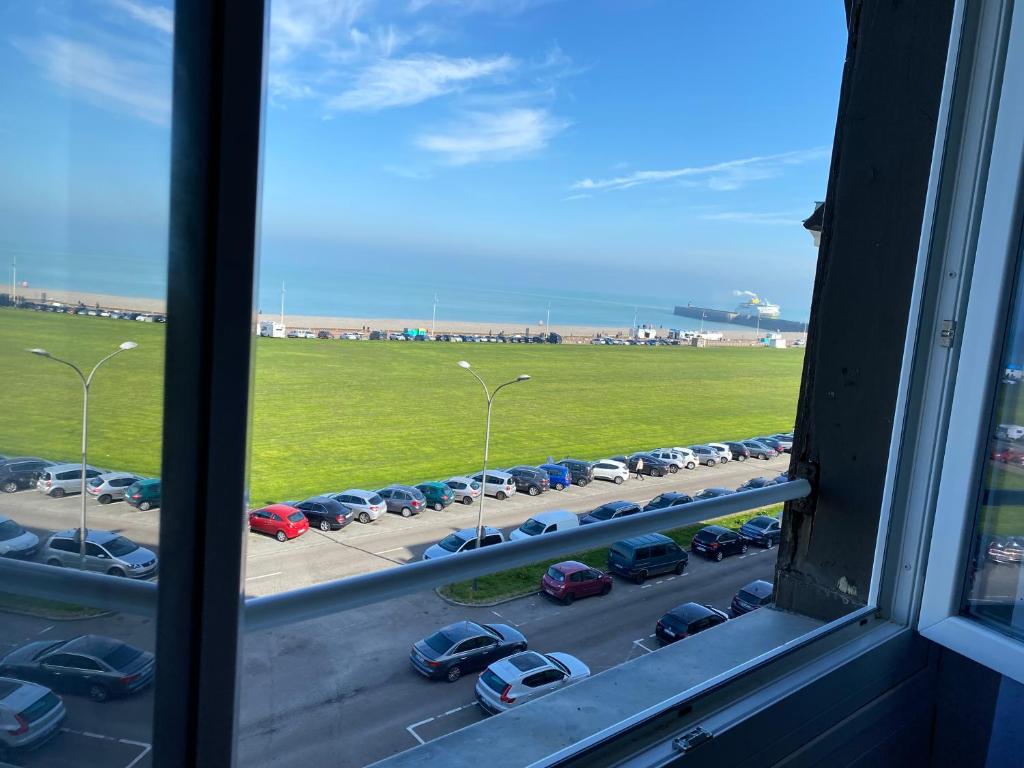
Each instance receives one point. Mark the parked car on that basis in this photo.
(782, 478)
(30, 714)
(610, 511)
(546, 522)
(723, 451)
(667, 499)
(301, 333)
(706, 455)
(325, 513)
(105, 552)
(1009, 456)
(760, 450)
(463, 541)
(464, 646)
(762, 530)
(110, 486)
(324, 335)
(754, 595)
(581, 472)
(615, 471)
(772, 443)
(97, 666)
(368, 504)
(15, 541)
(62, 479)
(756, 482)
(438, 495)
(739, 451)
(1006, 550)
(526, 676)
(530, 480)
(466, 489)
(571, 579)
(559, 476)
(786, 439)
(20, 472)
(716, 542)
(647, 555)
(652, 466)
(403, 499)
(143, 494)
(712, 493)
(498, 484)
(687, 620)
(281, 521)
(676, 460)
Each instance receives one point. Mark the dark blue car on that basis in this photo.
(560, 476)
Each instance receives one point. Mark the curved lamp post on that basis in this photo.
(86, 382)
(487, 444)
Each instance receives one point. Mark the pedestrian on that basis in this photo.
(639, 468)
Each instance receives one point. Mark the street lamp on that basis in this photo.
(487, 445)
(86, 381)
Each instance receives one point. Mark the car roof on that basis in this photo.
(558, 467)
(759, 587)
(116, 475)
(68, 465)
(432, 484)
(148, 481)
(619, 504)
(321, 499)
(690, 612)
(94, 535)
(645, 540)
(15, 459)
(461, 479)
(496, 473)
(716, 529)
(470, 533)
(359, 492)
(674, 494)
(553, 515)
(517, 666)
(763, 517)
(284, 509)
(460, 630)
(571, 566)
(719, 489)
(93, 645)
(400, 487)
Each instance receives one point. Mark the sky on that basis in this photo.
(657, 151)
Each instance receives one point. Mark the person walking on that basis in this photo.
(639, 468)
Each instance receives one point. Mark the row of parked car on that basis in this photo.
(61, 479)
(81, 309)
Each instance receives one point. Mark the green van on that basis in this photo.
(144, 494)
(646, 555)
(438, 495)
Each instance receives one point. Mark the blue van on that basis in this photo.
(560, 476)
(646, 555)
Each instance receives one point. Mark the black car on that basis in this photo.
(21, 472)
(652, 466)
(772, 443)
(756, 594)
(324, 335)
(325, 513)
(464, 646)
(716, 542)
(712, 493)
(581, 472)
(610, 511)
(762, 530)
(686, 620)
(668, 499)
(739, 451)
(756, 482)
(530, 480)
(99, 667)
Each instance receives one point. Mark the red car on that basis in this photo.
(569, 580)
(278, 520)
(1008, 456)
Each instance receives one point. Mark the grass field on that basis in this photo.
(331, 414)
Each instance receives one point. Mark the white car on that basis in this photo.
(526, 676)
(723, 451)
(674, 459)
(606, 469)
(463, 541)
(301, 333)
(15, 541)
(29, 714)
(690, 460)
(546, 522)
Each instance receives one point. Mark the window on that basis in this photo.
(94, 550)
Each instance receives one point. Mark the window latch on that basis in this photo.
(948, 333)
(690, 740)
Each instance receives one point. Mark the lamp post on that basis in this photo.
(86, 382)
(487, 445)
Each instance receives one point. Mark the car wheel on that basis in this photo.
(281, 536)
(145, 506)
(533, 490)
(438, 506)
(741, 457)
(104, 499)
(743, 549)
(673, 468)
(324, 525)
(406, 512)
(763, 456)
(680, 567)
(559, 486)
(618, 479)
(467, 500)
(116, 572)
(660, 473)
(606, 589)
(98, 692)
(364, 517)
(9, 487)
(691, 465)
(54, 562)
(57, 493)
(719, 556)
(454, 673)
(641, 577)
(569, 597)
(581, 482)
(500, 496)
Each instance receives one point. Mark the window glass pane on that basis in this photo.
(994, 591)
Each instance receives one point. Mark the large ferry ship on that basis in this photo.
(753, 313)
(756, 306)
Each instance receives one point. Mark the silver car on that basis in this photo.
(105, 551)
(62, 479)
(498, 484)
(15, 541)
(466, 489)
(110, 486)
(403, 499)
(463, 541)
(29, 714)
(526, 676)
(706, 455)
(368, 504)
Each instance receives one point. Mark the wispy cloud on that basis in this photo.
(777, 218)
(507, 7)
(580, 196)
(731, 174)
(155, 16)
(494, 136)
(104, 78)
(402, 82)
(300, 25)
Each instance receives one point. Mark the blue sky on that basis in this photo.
(661, 150)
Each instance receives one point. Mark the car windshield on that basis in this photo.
(439, 642)
(555, 575)
(748, 597)
(706, 535)
(452, 543)
(602, 513)
(619, 552)
(493, 682)
(49, 649)
(759, 522)
(9, 529)
(532, 527)
(96, 482)
(475, 485)
(120, 546)
(121, 656)
(296, 516)
(375, 499)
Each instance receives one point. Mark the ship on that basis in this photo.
(755, 306)
(754, 313)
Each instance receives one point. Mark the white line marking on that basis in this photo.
(645, 586)
(145, 751)
(670, 578)
(47, 629)
(393, 549)
(264, 576)
(412, 729)
(659, 582)
(498, 614)
(97, 736)
(641, 644)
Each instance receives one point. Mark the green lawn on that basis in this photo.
(526, 579)
(332, 414)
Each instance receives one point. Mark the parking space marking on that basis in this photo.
(144, 748)
(412, 729)
(263, 576)
(393, 549)
(640, 643)
(645, 586)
